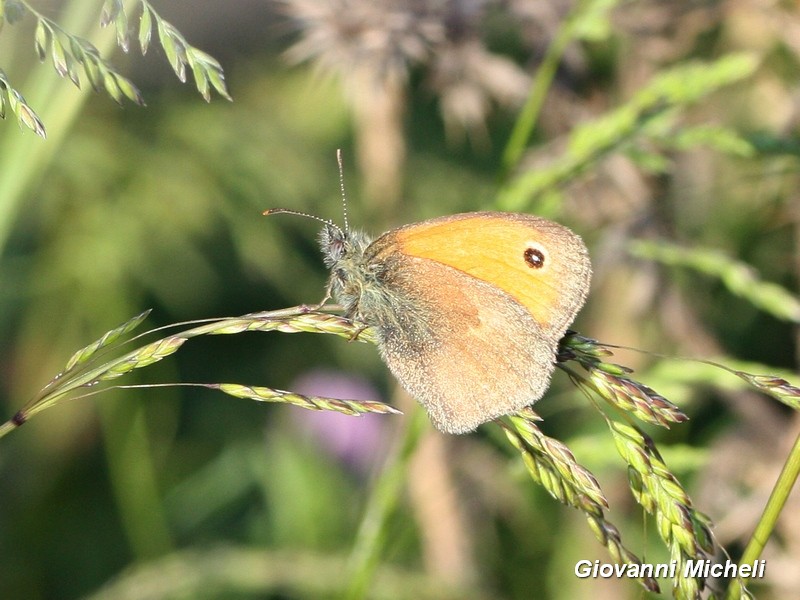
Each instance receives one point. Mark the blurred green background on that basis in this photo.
(181, 492)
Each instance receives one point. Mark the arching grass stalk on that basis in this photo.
(84, 371)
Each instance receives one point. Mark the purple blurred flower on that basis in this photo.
(359, 442)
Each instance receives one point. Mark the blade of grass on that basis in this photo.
(529, 115)
(585, 16)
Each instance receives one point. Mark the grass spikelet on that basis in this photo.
(143, 357)
(551, 464)
(684, 530)
(777, 387)
(610, 382)
(16, 102)
(573, 482)
(297, 322)
(346, 407)
(81, 356)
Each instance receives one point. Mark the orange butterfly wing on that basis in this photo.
(474, 327)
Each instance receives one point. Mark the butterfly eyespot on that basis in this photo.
(534, 257)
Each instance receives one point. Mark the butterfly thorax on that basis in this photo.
(362, 281)
(352, 277)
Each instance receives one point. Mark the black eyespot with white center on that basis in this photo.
(534, 256)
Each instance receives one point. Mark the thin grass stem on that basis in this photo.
(371, 537)
(772, 510)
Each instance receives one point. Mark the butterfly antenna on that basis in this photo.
(289, 211)
(341, 187)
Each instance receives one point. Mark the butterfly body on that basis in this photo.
(468, 308)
